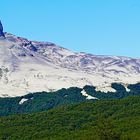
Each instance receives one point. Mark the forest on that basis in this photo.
(43, 101)
(101, 120)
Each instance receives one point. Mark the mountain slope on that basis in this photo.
(44, 101)
(30, 66)
(116, 119)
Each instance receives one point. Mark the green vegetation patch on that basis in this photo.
(100, 120)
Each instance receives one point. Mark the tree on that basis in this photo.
(106, 129)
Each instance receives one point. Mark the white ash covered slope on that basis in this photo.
(30, 66)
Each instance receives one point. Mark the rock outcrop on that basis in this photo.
(1, 31)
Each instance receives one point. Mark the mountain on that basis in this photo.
(31, 66)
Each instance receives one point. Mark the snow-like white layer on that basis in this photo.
(22, 101)
(88, 97)
(127, 89)
(25, 70)
(34, 78)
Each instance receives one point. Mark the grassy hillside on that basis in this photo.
(44, 101)
(100, 120)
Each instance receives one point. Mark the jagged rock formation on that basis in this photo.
(1, 31)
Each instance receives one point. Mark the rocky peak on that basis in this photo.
(1, 31)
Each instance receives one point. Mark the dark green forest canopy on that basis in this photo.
(43, 101)
(100, 120)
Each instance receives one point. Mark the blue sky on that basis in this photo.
(106, 27)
